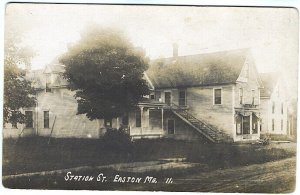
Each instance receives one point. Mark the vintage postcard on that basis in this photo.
(150, 98)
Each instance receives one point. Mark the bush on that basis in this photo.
(117, 141)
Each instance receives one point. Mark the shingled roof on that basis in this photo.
(198, 70)
(269, 83)
(37, 78)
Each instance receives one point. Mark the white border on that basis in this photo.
(284, 3)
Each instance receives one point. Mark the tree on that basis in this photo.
(18, 92)
(107, 73)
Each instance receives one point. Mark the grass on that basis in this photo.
(34, 154)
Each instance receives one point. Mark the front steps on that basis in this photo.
(206, 130)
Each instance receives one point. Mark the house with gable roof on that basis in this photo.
(215, 94)
(213, 97)
(275, 106)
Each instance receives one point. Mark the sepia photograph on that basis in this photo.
(135, 97)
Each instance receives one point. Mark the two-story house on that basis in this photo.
(275, 105)
(216, 94)
(212, 97)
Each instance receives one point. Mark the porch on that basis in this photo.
(247, 123)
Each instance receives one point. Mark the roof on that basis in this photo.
(37, 79)
(198, 70)
(269, 83)
(54, 68)
(59, 81)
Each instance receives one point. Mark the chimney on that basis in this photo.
(175, 50)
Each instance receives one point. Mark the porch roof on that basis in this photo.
(145, 102)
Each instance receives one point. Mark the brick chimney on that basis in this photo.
(175, 50)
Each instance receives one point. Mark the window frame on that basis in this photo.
(171, 98)
(241, 96)
(179, 98)
(214, 95)
(252, 96)
(46, 111)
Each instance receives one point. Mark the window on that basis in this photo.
(138, 118)
(108, 122)
(241, 95)
(158, 95)
(238, 124)
(171, 126)
(168, 98)
(29, 119)
(152, 97)
(281, 125)
(182, 98)
(253, 96)
(273, 107)
(273, 125)
(46, 119)
(281, 108)
(48, 89)
(217, 96)
(254, 124)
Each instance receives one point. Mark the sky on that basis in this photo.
(270, 33)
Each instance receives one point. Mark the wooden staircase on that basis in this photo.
(211, 133)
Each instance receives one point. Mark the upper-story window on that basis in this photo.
(217, 96)
(168, 98)
(182, 98)
(273, 107)
(48, 82)
(281, 108)
(158, 95)
(241, 93)
(253, 95)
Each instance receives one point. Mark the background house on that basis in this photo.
(275, 106)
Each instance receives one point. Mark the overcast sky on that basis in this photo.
(271, 33)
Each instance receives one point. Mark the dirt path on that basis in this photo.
(278, 176)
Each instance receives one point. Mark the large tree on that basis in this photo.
(106, 71)
(18, 92)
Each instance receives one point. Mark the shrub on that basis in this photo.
(117, 141)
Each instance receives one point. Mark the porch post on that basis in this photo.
(250, 124)
(141, 120)
(258, 127)
(162, 119)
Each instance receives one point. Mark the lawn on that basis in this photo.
(35, 154)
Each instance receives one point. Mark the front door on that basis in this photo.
(246, 125)
(168, 98)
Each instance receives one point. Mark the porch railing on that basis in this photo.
(201, 125)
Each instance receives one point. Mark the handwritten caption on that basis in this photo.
(101, 178)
